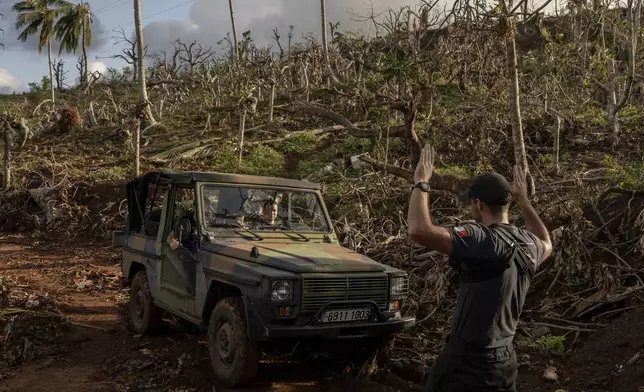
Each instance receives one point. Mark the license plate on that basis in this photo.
(334, 316)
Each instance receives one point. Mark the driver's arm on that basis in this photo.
(172, 241)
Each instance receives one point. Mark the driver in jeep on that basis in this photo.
(269, 211)
(190, 243)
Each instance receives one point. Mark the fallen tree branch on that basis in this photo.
(589, 325)
(318, 110)
(565, 328)
(443, 182)
(315, 132)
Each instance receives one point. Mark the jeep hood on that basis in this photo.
(300, 258)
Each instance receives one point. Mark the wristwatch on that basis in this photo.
(423, 186)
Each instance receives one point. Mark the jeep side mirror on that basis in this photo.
(182, 229)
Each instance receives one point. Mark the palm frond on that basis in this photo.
(23, 6)
(38, 15)
(45, 33)
(30, 30)
(74, 23)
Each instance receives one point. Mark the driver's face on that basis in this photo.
(270, 212)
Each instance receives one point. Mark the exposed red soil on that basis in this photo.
(100, 354)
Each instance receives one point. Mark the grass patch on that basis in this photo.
(551, 345)
(456, 170)
(353, 145)
(302, 143)
(109, 173)
(261, 161)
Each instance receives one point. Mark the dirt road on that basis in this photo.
(95, 351)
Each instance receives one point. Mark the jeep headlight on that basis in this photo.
(398, 287)
(282, 290)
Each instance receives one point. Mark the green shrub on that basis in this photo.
(552, 345)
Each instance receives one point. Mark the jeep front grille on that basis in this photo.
(318, 291)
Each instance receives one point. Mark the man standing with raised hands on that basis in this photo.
(496, 262)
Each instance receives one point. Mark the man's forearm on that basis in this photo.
(420, 227)
(418, 216)
(533, 223)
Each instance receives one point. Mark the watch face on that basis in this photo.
(423, 186)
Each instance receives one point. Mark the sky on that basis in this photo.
(206, 21)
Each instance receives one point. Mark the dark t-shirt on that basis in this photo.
(191, 243)
(487, 310)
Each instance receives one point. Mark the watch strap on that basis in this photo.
(422, 185)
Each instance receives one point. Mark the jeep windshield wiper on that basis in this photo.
(239, 226)
(286, 228)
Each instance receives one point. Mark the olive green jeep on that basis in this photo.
(255, 261)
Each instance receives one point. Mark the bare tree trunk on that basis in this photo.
(271, 102)
(556, 146)
(611, 103)
(218, 101)
(325, 46)
(85, 62)
(91, 114)
(305, 81)
(240, 137)
(614, 106)
(232, 23)
(143, 93)
(136, 148)
(7, 155)
(51, 72)
(515, 111)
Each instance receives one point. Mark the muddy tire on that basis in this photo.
(144, 315)
(233, 357)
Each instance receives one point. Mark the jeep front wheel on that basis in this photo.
(233, 357)
(144, 315)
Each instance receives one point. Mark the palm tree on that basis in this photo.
(40, 15)
(74, 27)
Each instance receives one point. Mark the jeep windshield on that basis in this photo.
(259, 209)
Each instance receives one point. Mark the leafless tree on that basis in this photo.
(191, 55)
(129, 54)
(60, 74)
(80, 66)
(325, 45)
(232, 23)
(143, 93)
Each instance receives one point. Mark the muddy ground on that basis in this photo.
(94, 351)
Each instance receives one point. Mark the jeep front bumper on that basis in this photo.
(339, 330)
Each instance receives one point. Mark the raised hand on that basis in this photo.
(425, 167)
(518, 188)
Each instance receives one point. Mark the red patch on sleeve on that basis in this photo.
(460, 231)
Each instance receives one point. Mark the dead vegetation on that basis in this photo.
(27, 320)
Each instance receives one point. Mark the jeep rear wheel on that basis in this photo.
(144, 315)
(233, 357)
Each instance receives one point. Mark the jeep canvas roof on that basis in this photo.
(189, 177)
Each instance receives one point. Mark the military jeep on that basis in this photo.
(255, 260)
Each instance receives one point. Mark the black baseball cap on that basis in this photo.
(490, 188)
